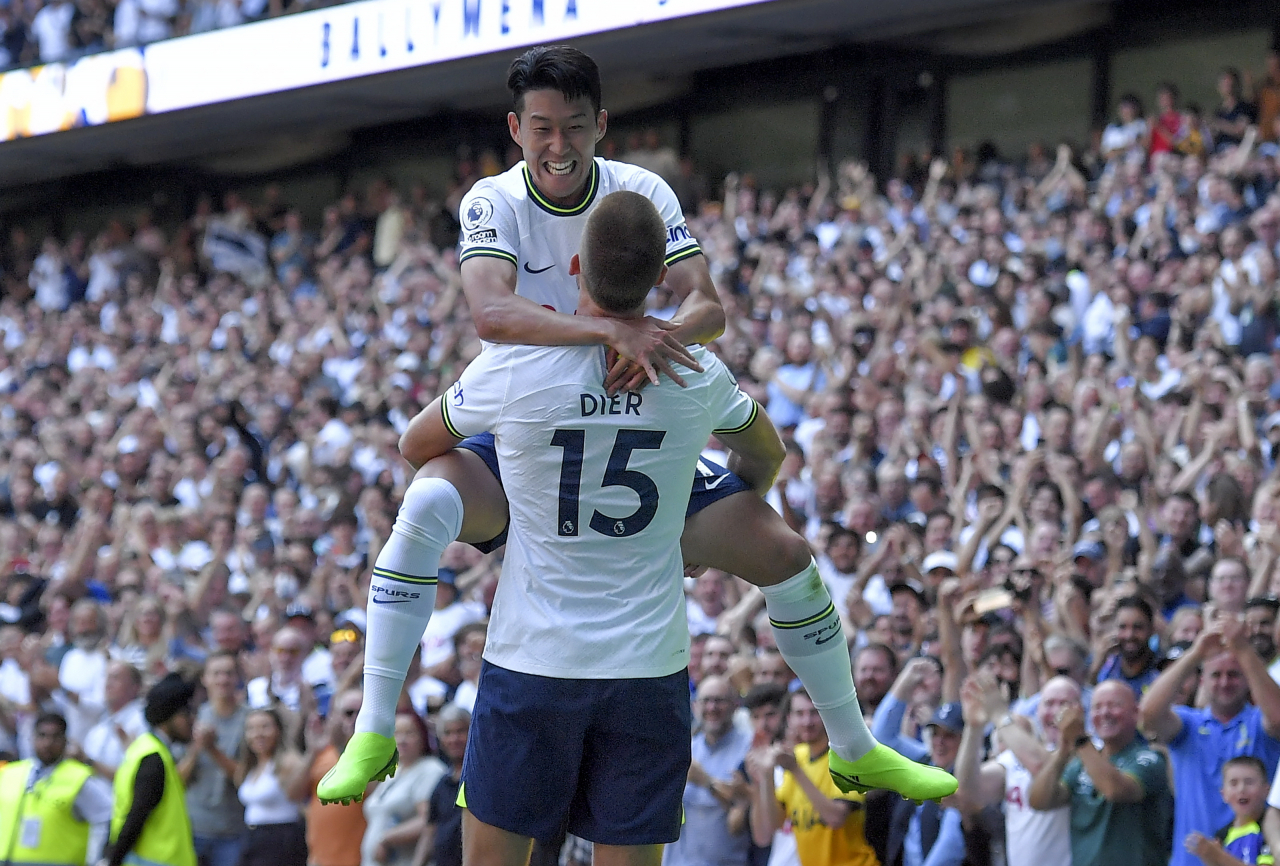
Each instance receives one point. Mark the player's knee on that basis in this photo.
(794, 553)
(433, 507)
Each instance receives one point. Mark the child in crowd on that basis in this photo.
(1240, 843)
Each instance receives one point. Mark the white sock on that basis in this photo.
(807, 630)
(402, 595)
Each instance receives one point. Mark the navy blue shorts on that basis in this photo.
(711, 483)
(609, 756)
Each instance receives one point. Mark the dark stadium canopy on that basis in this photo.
(636, 62)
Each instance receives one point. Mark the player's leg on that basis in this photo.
(635, 762)
(742, 535)
(520, 771)
(455, 495)
(626, 855)
(486, 845)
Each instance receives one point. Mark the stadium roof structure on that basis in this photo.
(636, 61)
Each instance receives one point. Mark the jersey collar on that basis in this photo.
(593, 186)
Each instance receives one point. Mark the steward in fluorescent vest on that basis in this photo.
(149, 824)
(53, 810)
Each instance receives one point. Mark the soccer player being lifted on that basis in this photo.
(520, 230)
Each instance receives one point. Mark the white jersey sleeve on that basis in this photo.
(680, 244)
(474, 404)
(731, 409)
(489, 226)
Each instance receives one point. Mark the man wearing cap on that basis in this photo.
(149, 824)
(928, 834)
(315, 667)
(1090, 559)
(55, 812)
(1131, 659)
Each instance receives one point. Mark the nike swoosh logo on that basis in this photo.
(391, 600)
(712, 485)
(539, 270)
(820, 641)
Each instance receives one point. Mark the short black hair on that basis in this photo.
(554, 67)
(765, 695)
(52, 719)
(1268, 601)
(1138, 604)
(985, 490)
(622, 253)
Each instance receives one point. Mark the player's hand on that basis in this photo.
(650, 344)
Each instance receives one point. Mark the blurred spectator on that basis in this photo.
(1119, 797)
(1230, 725)
(1031, 836)
(394, 809)
(709, 836)
(875, 667)
(1267, 99)
(51, 27)
(1132, 660)
(828, 825)
(209, 766)
(284, 683)
(269, 770)
(441, 840)
(138, 22)
(334, 832)
(1233, 116)
(82, 675)
(105, 743)
(930, 834)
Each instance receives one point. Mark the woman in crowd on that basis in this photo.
(393, 809)
(269, 766)
(441, 840)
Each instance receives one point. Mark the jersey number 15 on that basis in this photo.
(616, 474)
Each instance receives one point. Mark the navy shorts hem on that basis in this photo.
(606, 759)
(483, 447)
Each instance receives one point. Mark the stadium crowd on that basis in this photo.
(49, 31)
(1032, 418)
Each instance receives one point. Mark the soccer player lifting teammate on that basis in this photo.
(521, 231)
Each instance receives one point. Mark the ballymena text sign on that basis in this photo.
(355, 39)
(332, 44)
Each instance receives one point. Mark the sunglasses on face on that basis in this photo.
(345, 635)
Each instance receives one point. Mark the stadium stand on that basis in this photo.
(1018, 392)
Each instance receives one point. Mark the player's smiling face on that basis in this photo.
(558, 137)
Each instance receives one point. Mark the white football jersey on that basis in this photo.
(592, 583)
(1032, 838)
(507, 218)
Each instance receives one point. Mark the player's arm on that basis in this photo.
(701, 315)
(755, 451)
(502, 316)
(427, 435)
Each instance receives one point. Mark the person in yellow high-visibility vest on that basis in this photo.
(149, 824)
(53, 810)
